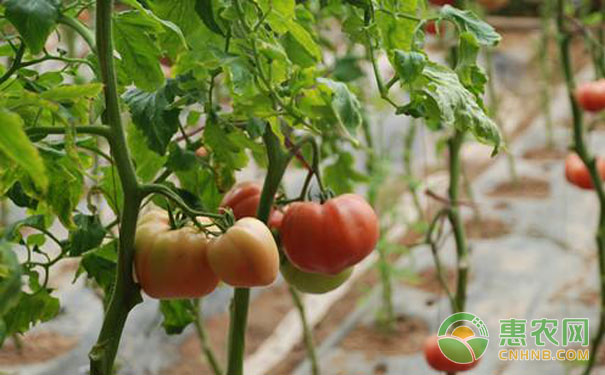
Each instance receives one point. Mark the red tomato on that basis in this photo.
(577, 173)
(244, 198)
(591, 95)
(431, 28)
(442, 2)
(171, 263)
(327, 238)
(435, 358)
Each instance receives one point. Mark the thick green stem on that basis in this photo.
(307, 333)
(454, 146)
(581, 149)
(278, 161)
(100, 130)
(125, 293)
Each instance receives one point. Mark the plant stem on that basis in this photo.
(203, 335)
(278, 161)
(125, 293)
(454, 146)
(307, 333)
(545, 69)
(101, 130)
(81, 29)
(590, 162)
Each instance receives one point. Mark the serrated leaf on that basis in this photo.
(30, 310)
(89, 233)
(34, 19)
(138, 50)
(15, 144)
(153, 117)
(468, 21)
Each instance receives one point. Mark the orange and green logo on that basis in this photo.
(463, 338)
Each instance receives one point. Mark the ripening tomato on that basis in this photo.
(438, 361)
(201, 152)
(244, 198)
(313, 283)
(246, 255)
(591, 95)
(431, 28)
(442, 2)
(328, 238)
(577, 173)
(171, 263)
(493, 5)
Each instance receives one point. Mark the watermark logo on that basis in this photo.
(463, 338)
(562, 334)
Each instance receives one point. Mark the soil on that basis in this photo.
(544, 154)
(36, 347)
(407, 337)
(427, 281)
(486, 228)
(269, 308)
(524, 187)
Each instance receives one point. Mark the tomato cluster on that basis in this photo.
(438, 361)
(577, 173)
(591, 95)
(186, 263)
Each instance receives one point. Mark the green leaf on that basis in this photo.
(396, 32)
(180, 159)
(12, 233)
(203, 8)
(227, 147)
(20, 198)
(100, 265)
(347, 69)
(112, 188)
(467, 21)
(153, 117)
(147, 162)
(470, 74)
(72, 93)
(178, 314)
(345, 107)
(443, 100)
(30, 309)
(15, 144)
(34, 19)
(341, 176)
(10, 278)
(138, 50)
(408, 65)
(88, 234)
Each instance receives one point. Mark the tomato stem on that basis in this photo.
(125, 293)
(203, 336)
(278, 161)
(307, 332)
(579, 146)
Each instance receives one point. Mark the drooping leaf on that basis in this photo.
(15, 144)
(34, 19)
(345, 107)
(468, 21)
(408, 65)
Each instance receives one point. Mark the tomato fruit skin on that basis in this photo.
(328, 238)
(591, 95)
(313, 283)
(244, 198)
(245, 255)
(577, 173)
(171, 263)
(435, 358)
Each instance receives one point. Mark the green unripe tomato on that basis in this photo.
(313, 283)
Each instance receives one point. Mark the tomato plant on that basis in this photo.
(246, 255)
(314, 283)
(329, 237)
(438, 361)
(244, 198)
(591, 95)
(171, 263)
